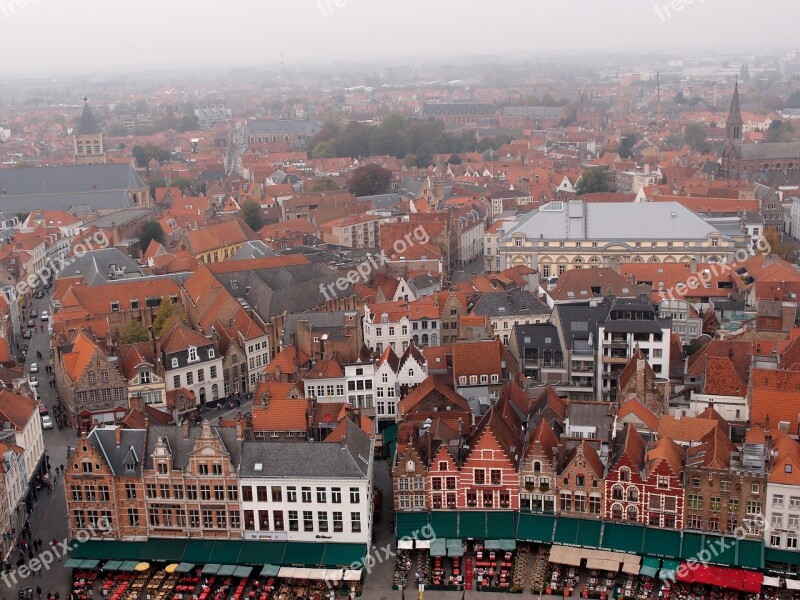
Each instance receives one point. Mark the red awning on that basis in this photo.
(752, 582)
(706, 575)
(684, 574)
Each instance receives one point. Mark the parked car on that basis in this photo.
(33, 381)
(42, 409)
(45, 316)
(31, 323)
(47, 422)
(34, 368)
(26, 335)
(34, 313)
(39, 294)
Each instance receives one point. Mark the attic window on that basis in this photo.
(787, 468)
(625, 290)
(258, 467)
(174, 363)
(547, 340)
(134, 304)
(234, 284)
(115, 306)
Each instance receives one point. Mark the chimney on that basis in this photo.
(240, 429)
(640, 363)
(118, 435)
(693, 265)
(185, 426)
(278, 374)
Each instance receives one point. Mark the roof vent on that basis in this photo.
(258, 467)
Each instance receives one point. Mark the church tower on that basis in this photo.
(733, 138)
(90, 143)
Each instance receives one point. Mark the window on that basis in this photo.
(496, 476)
(189, 378)
(293, 521)
(479, 477)
(201, 375)
(355, 522)
(777, 500)
(133, 517)
(753, 506)
(174, 363)
(791, 541)
(724, 486)
(322, 520)
(202, 469)
(715, 504)
(336, 495)
(247, 493)
(662, 482)
(263, 520)
(130, 491)
(277, 520)
(338, 522)
(219, 492)
(233, 492)
(354, 496)
(192, 354)
(191, 492)
(291, 494)
(194, 518)
(321, 495)
(695, 501)
(150, 490)
(755, 488)
(261, 493)
(594, 505)
(205, 492)
(176, 381)
(308, 520)
(213, 372)
(306, 494)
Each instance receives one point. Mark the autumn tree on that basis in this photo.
(370, 180)
(592, 181)
(134, 333)
(167, 315)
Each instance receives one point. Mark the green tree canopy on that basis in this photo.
(326, 149)
(251, 213)
(167, 315)
(593, 180)
(134, 333)
(325, 183)
(149, 231)
(695, 135)
(370, 180)
(780, 131)
(626, 144)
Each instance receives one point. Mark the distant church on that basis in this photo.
(89, 141)
(770, 163)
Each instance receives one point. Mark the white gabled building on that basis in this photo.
(309, 492)
(192, 361)
(387, 324)
(394, 377)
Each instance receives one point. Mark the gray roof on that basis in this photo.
(36, 181)
(180, 447)
(129, 451)
(588, 414)
(769, 151)
(95, 266)
(76, 204)
(309, 459)
(119, 217)
(88, 123)
(381, 201)
(285, 127)
(516, 302)
(539, 335)
(577, 220)
(629, 326)
(253, 249)
(458, 108)
(331, 321)
(579, 321)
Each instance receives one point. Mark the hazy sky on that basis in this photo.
(68, 36)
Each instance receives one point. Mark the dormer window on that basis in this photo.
(484, 379)
(192, 354)
(495, 378)
(462, 380)
(174, 363)
(473, 379)
(211, 353)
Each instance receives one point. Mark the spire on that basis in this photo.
(88, 123)
(734, 122)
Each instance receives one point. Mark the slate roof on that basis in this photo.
(285, 127)
(88, 123)
(78, 179)
(516, 302)
(252, 249)
(332, 321)
(181, 448)
(94, 267)
(543, 336)
(131, 446)
(769, 151)
(294, 459)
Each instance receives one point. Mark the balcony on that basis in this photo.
(616, 343)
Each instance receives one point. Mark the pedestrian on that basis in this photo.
(62, 466)
(38, 591)
(30, 553)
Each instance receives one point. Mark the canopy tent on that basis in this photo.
(128, 566)
(684, 574)
(302, 573)
(184, 568)
(211, 569)
(112, 565)
(242, 572)
(171, 568)
(439, 547)
(226, 570)
(792, 584)
(142, 567)
(455, 548)
(317, 574)
(73, 563)
(772, 581)
(334, 575)
(668, 569)
(270, 571)
(422, 544)
(631, 563)
(287, 572)
(595, 564)
(508, 545)
(405, 544)
(492, 544)
(566, 555)
(649, 566)
(611, 565)
(352, 575)
(752, 582)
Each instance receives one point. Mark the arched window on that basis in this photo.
(91, 377)
(104, 376)
(633, 513)
(616, 511)
(616, 492)
(624, 474)
(633, 494)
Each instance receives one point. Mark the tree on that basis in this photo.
(167, 315)
(710, 323)
(370, 180)
(695, 135)
(454, 159)
(144, 154)
(251, 213)
(593, 180)
(354, 140)
(182, 183)
(794, 100)
(626, 144)
(134, 333)
(779, 248)
(326, 183)
(325, 149)
(780, 131)
(149, 231)
(680, 98)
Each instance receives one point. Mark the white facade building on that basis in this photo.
(386, 325)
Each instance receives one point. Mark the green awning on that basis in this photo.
(566, 531)
(662, 542)
(261, 553)
(721, 548)
(242, 572)
(343, 555)
(225, 552)
(784, 557)
(472, 525)
(309, 554)
(163, 549)
(444, 523)
(439, 547)
(90, 563)
(92, 549)
(226, 570)
(112, 565)
(73, 563)
(455, 548)
(126, 551)
(508, 545)
(501, 524)
(409, 523)
(692, 544)
(649, 566)
(128, 566)
(589, 533)
(751, 553)
(535, 528)
(623, 538)
(668, 568)
(492, 544)
(270, 571)
(198, 551)
(184, 568)
(211, 569)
